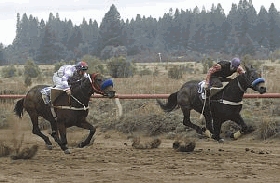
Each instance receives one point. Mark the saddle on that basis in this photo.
(55, 92)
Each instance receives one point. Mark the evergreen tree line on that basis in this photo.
(243, 31)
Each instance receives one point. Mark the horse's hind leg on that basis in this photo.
(53, 123)
(36, 130)
(187, 121)
(92, 129)
(63, 138)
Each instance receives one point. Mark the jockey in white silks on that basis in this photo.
(60, 78)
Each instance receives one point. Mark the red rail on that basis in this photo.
(153, 96)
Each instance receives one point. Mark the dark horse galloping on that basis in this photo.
(71, 110)
(224, 105)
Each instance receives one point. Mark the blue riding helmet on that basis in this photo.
(234, 63)
(106, 83)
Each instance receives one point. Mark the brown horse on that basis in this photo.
(68, 110)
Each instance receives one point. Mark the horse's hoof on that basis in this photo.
(49, 147)
(221, 141)
(80, 145)
(207, 133)
(236, 135)
(67, 151)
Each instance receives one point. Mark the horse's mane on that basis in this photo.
(191, 82)
(75, 79)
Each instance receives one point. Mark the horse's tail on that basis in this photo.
(171, 103)
(18, 110)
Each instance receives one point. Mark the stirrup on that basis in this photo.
(203, 96)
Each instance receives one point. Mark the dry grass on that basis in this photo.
(5, 150)
(15, 151)
(268, 127)
(13, 145)
(184, 144)
(25, 153)
(272, 75)
(155, 143)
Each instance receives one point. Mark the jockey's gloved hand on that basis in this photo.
(206, 86)
(68, 91)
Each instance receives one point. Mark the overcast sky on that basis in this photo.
(76, 10)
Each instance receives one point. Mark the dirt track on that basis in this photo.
(111, 158)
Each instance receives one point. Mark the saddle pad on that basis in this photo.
(46, 91)
(201, 86)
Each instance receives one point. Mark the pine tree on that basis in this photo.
(2, 55)
(48, 51)
(273, 28)
(110, 31)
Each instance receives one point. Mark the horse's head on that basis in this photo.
(102, 85)
(254, 80)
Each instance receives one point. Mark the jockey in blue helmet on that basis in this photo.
(222, 70)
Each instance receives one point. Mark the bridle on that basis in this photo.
(249, 83)
(243, 82)
(96, 88)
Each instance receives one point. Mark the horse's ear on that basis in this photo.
(246, 67)
(93, 75)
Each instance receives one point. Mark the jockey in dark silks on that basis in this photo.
(220, 71)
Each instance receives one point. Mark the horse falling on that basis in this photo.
(69, 110)
(224, 105)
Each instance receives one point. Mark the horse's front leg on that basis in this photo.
(217, 125)
(244, 128)
(92, 129)
(63, 139)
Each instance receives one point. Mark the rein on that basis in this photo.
(79, 102)
(226, 102)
